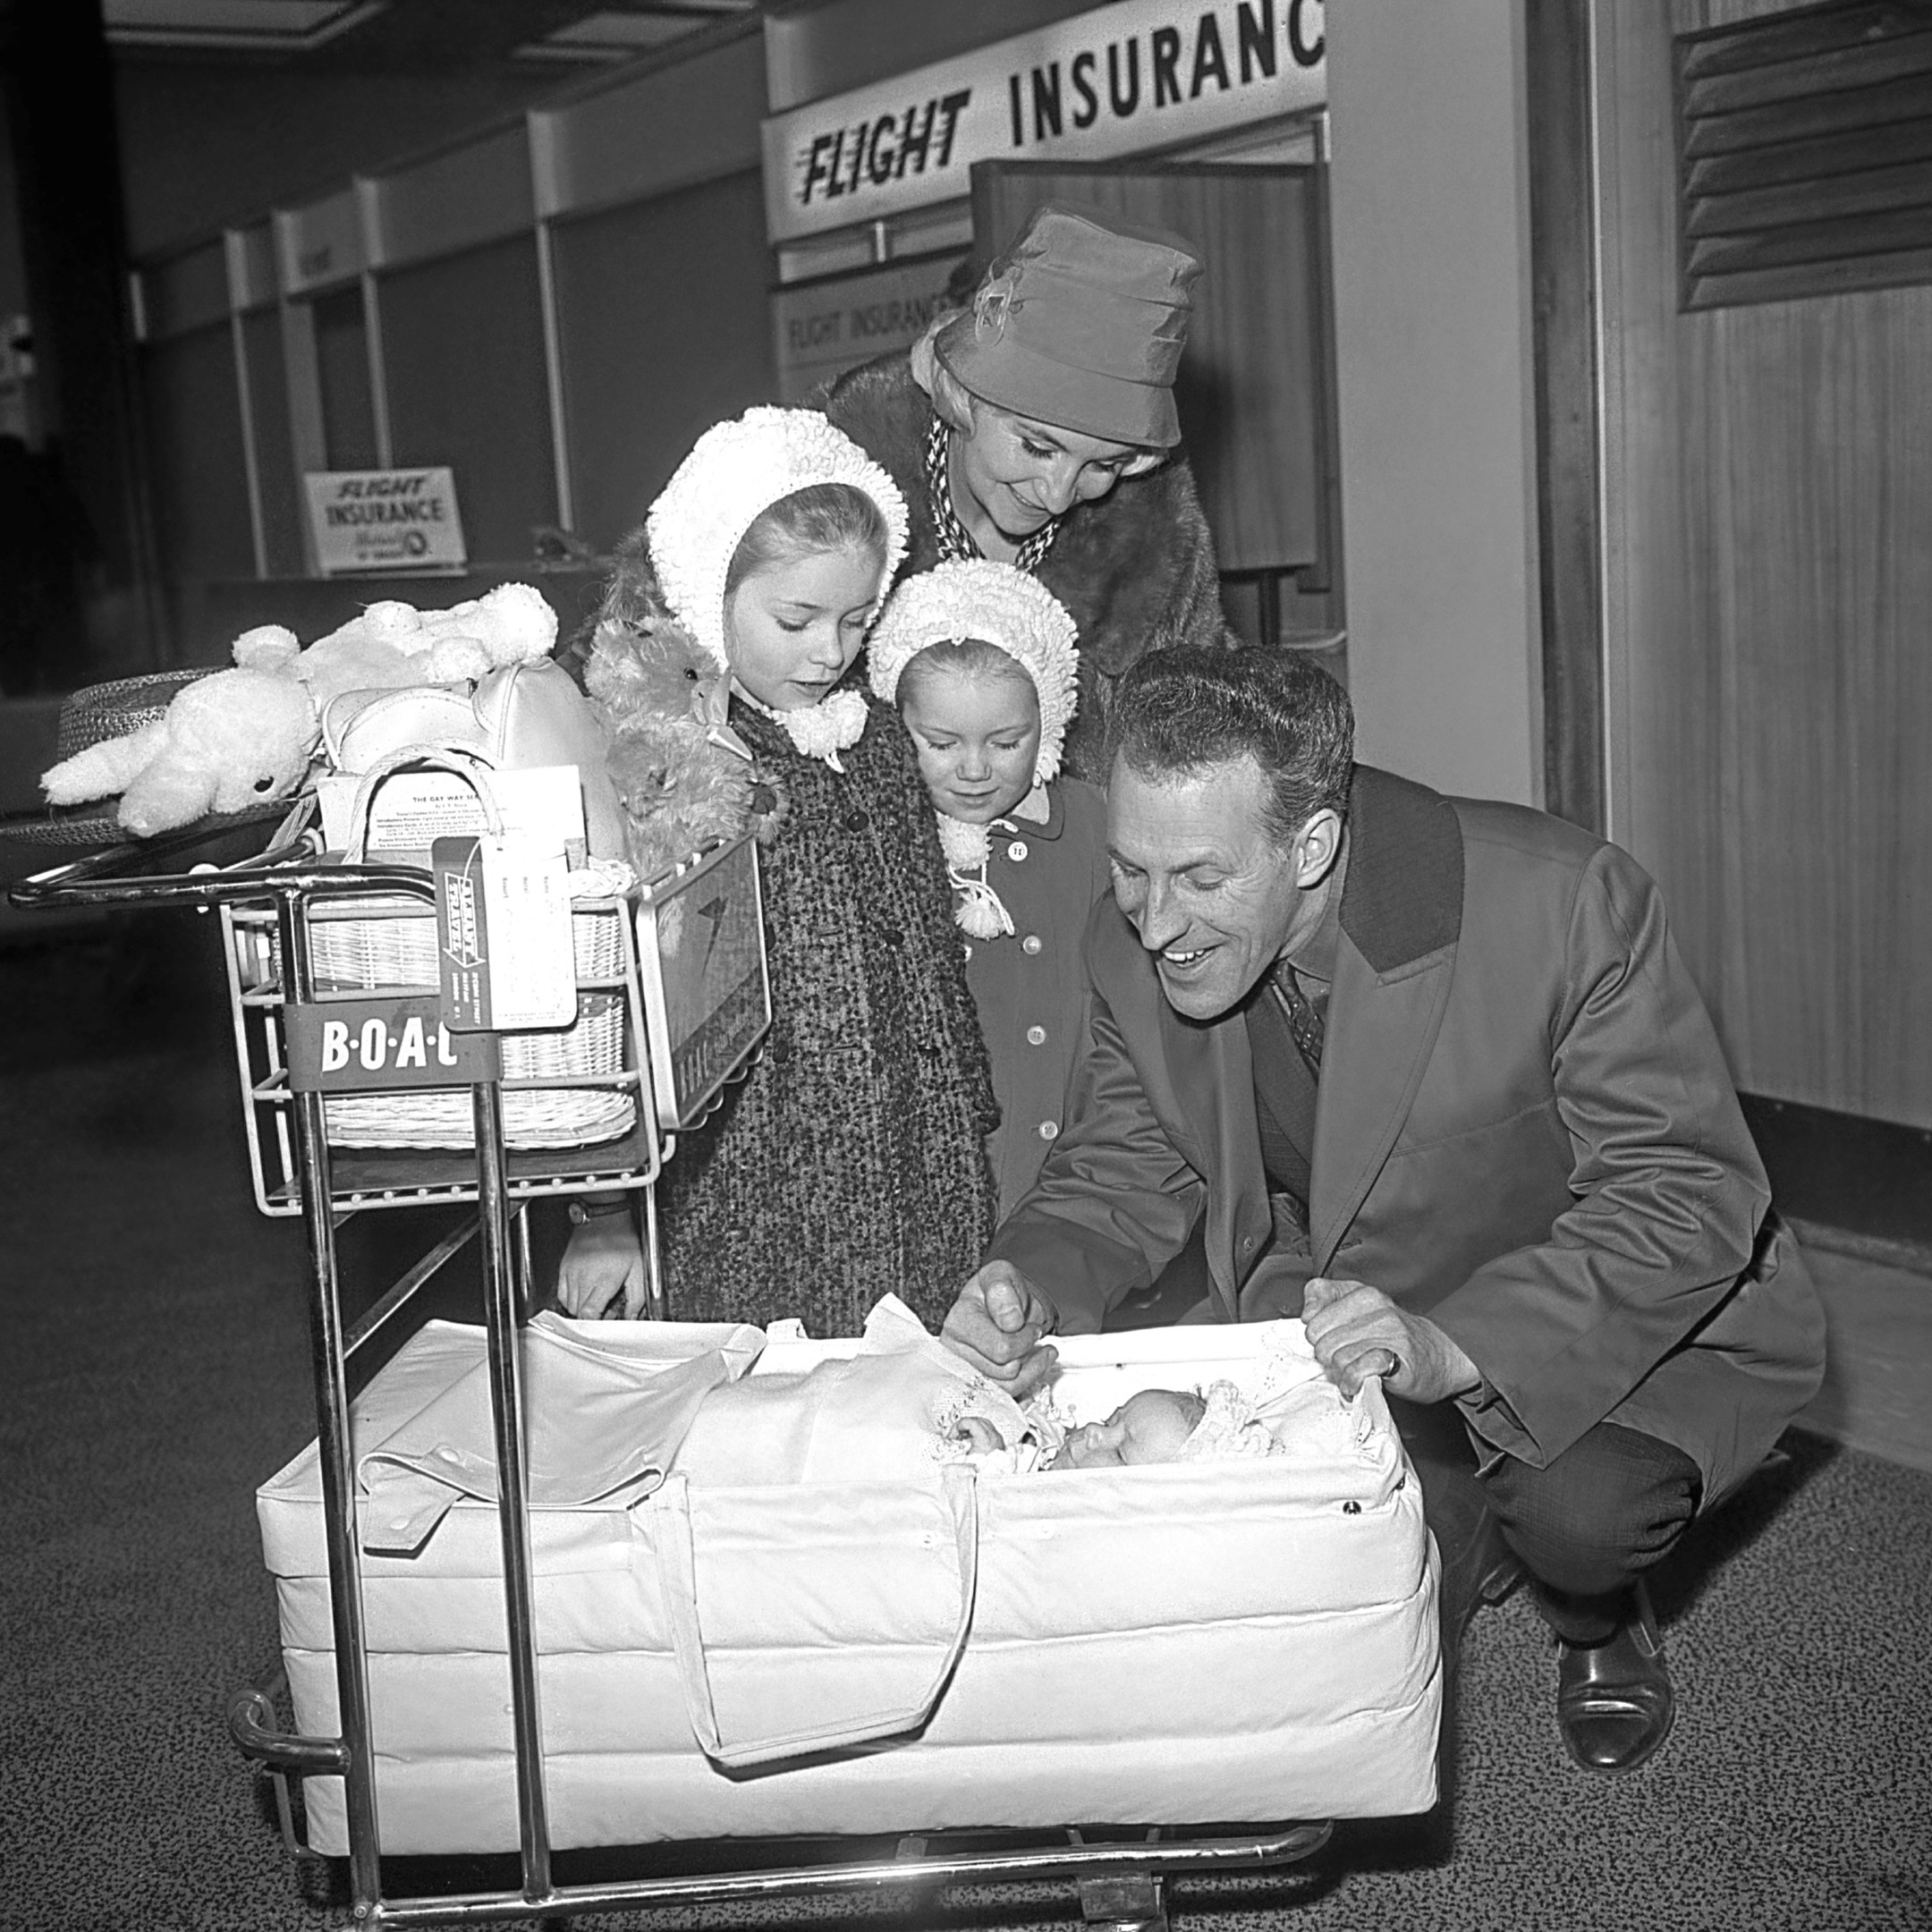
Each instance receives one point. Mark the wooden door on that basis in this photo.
(1256, 387)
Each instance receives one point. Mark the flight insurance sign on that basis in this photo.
(1137, 75)
(385, 520)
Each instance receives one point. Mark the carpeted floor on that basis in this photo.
(155, 1368)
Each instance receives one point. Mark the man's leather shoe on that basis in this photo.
(1614, 1699)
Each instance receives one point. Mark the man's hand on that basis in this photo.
(996, 1325)
(1356, 1331)
(604, 1262)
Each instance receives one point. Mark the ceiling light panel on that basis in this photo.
(612, 36)
(232, 23)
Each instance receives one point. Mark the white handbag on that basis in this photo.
(518, 718)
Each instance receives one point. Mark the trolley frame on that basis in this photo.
(1119, 1883)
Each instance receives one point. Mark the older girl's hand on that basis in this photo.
(603, 1270)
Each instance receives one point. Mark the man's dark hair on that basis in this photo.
(1177, 711)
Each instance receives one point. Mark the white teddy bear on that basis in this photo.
(245, 736)
(391, 644)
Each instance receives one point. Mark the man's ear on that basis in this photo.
(1317, 845)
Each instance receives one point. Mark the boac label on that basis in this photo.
(350, 1046)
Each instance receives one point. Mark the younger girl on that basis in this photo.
(980, 658)
(848, 1164)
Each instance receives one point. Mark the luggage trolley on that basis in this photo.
(273, 907)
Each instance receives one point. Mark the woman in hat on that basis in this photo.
(1037, 428)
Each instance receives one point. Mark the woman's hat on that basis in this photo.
(1081, 324)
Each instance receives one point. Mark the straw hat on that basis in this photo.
(91, 716)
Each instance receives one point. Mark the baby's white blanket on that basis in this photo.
(892, 1409)
(602, 1424)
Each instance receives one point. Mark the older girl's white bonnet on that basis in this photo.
(735, 471)
(975, 598)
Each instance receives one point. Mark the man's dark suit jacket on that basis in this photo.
(1525, 1129)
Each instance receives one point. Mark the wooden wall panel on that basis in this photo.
(666, 330)
(1826, 564)
(1768, 593)
(463, 341)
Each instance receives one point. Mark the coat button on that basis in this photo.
(1049, 1130)
(892, 938)
(856, 821)
(1017, 850)
(1036, 1036)
(1032, 942)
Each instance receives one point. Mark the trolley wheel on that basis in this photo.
(1124, 1901)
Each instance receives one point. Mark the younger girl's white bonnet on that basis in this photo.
(735, 471)
(975, 598)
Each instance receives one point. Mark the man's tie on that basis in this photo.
(1304, 1023)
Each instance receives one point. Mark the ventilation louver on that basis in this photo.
(1805, 149)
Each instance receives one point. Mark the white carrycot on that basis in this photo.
(1190, 1643)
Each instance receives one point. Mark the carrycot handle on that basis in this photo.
(670, 1511)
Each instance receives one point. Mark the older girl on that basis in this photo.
(848, 1164)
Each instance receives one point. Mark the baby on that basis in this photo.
(1154, 1424)
(904, 1404)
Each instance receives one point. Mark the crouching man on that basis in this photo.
(1433, 1076)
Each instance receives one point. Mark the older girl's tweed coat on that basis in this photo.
(849, 1163)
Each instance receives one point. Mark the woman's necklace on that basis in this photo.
(955, 540)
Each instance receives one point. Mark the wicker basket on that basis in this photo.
(558, 1114)
(390, 945)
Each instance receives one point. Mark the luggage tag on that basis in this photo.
(505, 954)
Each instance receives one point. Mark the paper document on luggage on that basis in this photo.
(412, 810)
